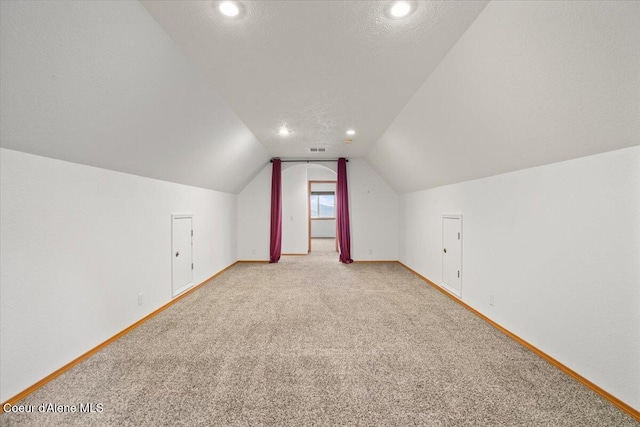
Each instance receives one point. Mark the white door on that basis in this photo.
(452, 253)
(181, 253)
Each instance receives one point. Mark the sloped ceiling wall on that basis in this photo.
(320, 67)
(100, 83)
(529, 83)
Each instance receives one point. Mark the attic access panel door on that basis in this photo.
(181, 253)
(452, 253)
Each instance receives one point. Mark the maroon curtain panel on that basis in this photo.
(276, 211)
(342, 214)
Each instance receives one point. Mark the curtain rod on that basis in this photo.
(306, 160)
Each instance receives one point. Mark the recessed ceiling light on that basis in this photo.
(400, 9)
(284, 131)
(229, 8)
(351, 132)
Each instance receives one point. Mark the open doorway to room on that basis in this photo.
(322, 216)
(296, 222)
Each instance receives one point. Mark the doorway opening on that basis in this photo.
(322, 216)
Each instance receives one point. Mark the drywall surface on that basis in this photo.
(323, 186)
(295, 217)
(373, 209)
(254, 217)
(558, 246)
(529, 83)
(78, 245)
(327, 171)
(100, 83)
(323, 228)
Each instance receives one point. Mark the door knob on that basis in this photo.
(445, 250)
(178, 253)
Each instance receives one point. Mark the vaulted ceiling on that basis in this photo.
(528, 84)
(318, 67)
(459, 90)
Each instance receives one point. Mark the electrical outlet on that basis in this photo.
(140, 298)
(370, 251)
(253, 251)
(491, 299)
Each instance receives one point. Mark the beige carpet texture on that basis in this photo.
(309, 341)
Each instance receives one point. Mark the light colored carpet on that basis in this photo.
(323, 245)
(310, 341)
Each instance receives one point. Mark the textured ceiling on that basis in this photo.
(529, 83)
(320, 67)
(100, 83)
(457, 91)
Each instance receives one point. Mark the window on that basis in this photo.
(323, 204)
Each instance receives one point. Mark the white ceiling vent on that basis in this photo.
(317, 150)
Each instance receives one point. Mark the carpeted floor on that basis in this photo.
(323, 245)
(309, 341)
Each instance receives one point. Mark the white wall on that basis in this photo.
(558, 246)
(254, 216)
(528, 84)
(322, 172)
(323, 186)
(374, 214)
(101, 83)
(295, 224)
(373, 209)
(323, 228)
(78, 245)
